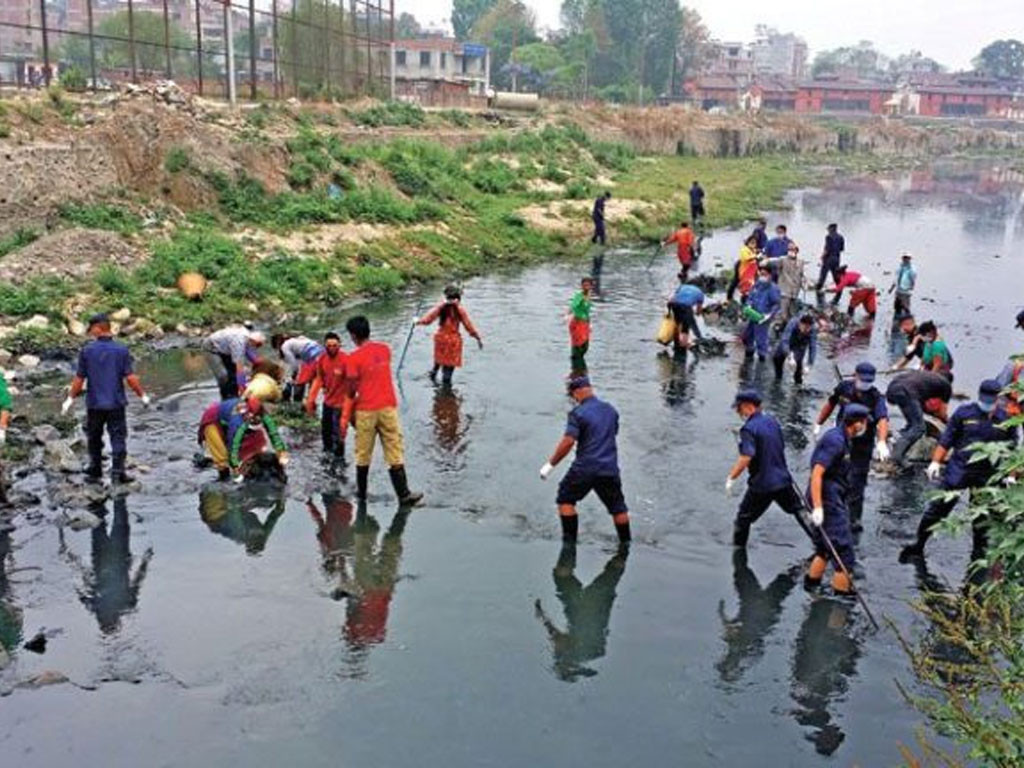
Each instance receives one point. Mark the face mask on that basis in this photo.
(863, 386)
(987, 406)
(859, 431)
(763, 280)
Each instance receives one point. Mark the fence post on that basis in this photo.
(391, 74)
(277, 70)
(294, 55)
(131, 41)
(327, 43)
(46, 44)
(369, 50)
(92, 44)
(167, 43)
(252, 50)
(229, 45)
(199, 48)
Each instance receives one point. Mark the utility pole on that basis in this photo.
(230, 43)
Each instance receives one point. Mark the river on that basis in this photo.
(200, 626)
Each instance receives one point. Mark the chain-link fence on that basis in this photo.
(281, 48)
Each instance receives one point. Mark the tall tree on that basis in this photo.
(114, 51)
(466, 13)
(693, 48)
(861, 60)
(1002, 58)
(915, 61)
(645, 34)
(407, 26)
(506, 26)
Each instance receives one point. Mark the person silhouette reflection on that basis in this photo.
(824, 659)
(334, 532)
(111, 589)
(675, 379)
(759, 611)
(10, 614)
(449, 429)
(233, 514)
(375, 574)
(587, 612)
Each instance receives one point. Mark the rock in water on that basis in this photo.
(83, 520)
(45, 434)
(37, 644)
(28, 361)
(36, 321)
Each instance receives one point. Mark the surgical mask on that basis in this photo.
(763, 280)
(860, 430)
(863, 386)
(987, 406)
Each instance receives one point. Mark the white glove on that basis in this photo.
(817, 516)
(791, 360)
(283, 459)
(66, 406)
(910, 349)
(933, 471)
(546, 470)
(1007, 481)
(238, 478)
(3, 436)
(415, 320)
(729, 483)
(882, 450)
(808, 368)
(816, 431)
(147, 400)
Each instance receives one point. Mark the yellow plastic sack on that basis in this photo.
(666, 331)
(263, 388)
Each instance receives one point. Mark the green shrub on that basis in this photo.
(40, 296)
(613, 155)
(259, 117)
(113, 218)
(393, 113)
(177, 160)
(114, 281)
(493, 177)
(577, 189)
(554, 173)
(301, 175)
(19, 239)
(35, 341)
(377, 280)
(5, 129)
(192, 250)
(73, 79)
(58, 100)
(31, 111)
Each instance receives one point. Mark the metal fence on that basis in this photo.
(282, 48)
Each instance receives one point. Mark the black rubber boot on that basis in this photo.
(740, 535)
(623, 530)
(362, 481)
(224, 474)
(117, 471)
(912, 552)
(406, 498)
(94, 474)
(570, 527)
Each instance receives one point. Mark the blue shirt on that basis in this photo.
(765, 297)
(835, 244)
(906, 279)
(696, 196)
(688, 295)
(104, 364)
(847, 393)
(793, 340)
(777, 246)
(598, 213)
(761, 440)
(762, 237)
(833, 453)
(594, 424)
(968, 425)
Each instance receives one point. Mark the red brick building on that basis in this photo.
(828, 95)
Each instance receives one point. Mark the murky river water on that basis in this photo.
(207, 627)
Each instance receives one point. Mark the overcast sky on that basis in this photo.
(951, 31)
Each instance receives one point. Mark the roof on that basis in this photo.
(444, 44)
(848, 85)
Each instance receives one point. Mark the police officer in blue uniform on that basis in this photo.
(762, 454)
(798, 342)
(592, 429)
(827, 495)
(860, 391)
(106, 366)
(978, 422)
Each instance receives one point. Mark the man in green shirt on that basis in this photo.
(579, 324)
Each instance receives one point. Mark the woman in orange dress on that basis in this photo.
(448, 340)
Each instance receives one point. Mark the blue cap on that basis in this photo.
(1020, 319)
(865, 371)
(989, 389)
(855, 412)
(747, 395)
(98, 319)
(577, 382)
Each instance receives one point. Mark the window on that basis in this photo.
(400, 58)
(424, 59)
(444, 60)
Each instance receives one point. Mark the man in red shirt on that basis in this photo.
(862, 291)
(368, 369)
(329, 372)
(684, 240)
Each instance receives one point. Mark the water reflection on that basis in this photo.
(235, 513)
(759, 612)
(110, 588)
(824, 660)
(450, 427)
(587, 613)
(10, 614)
(336, 537)
(675, 377)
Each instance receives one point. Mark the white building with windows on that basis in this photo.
(441, 71)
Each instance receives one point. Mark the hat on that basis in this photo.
(855, 412)
(907, 256)
(1020, 319)
(989, 389)
(257, 338)
(747, 395)
(577, 382)
(865, 371)
(99, 319)
(253, 404)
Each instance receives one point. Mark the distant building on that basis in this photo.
(728, 59)
(441, 71)
(777, 54)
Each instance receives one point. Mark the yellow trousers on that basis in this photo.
(215, 446)
(385, 424)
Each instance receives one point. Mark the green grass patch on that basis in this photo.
(18, 239)
(177, 160)
(39, 296)
(113, 218)
(392, 113)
